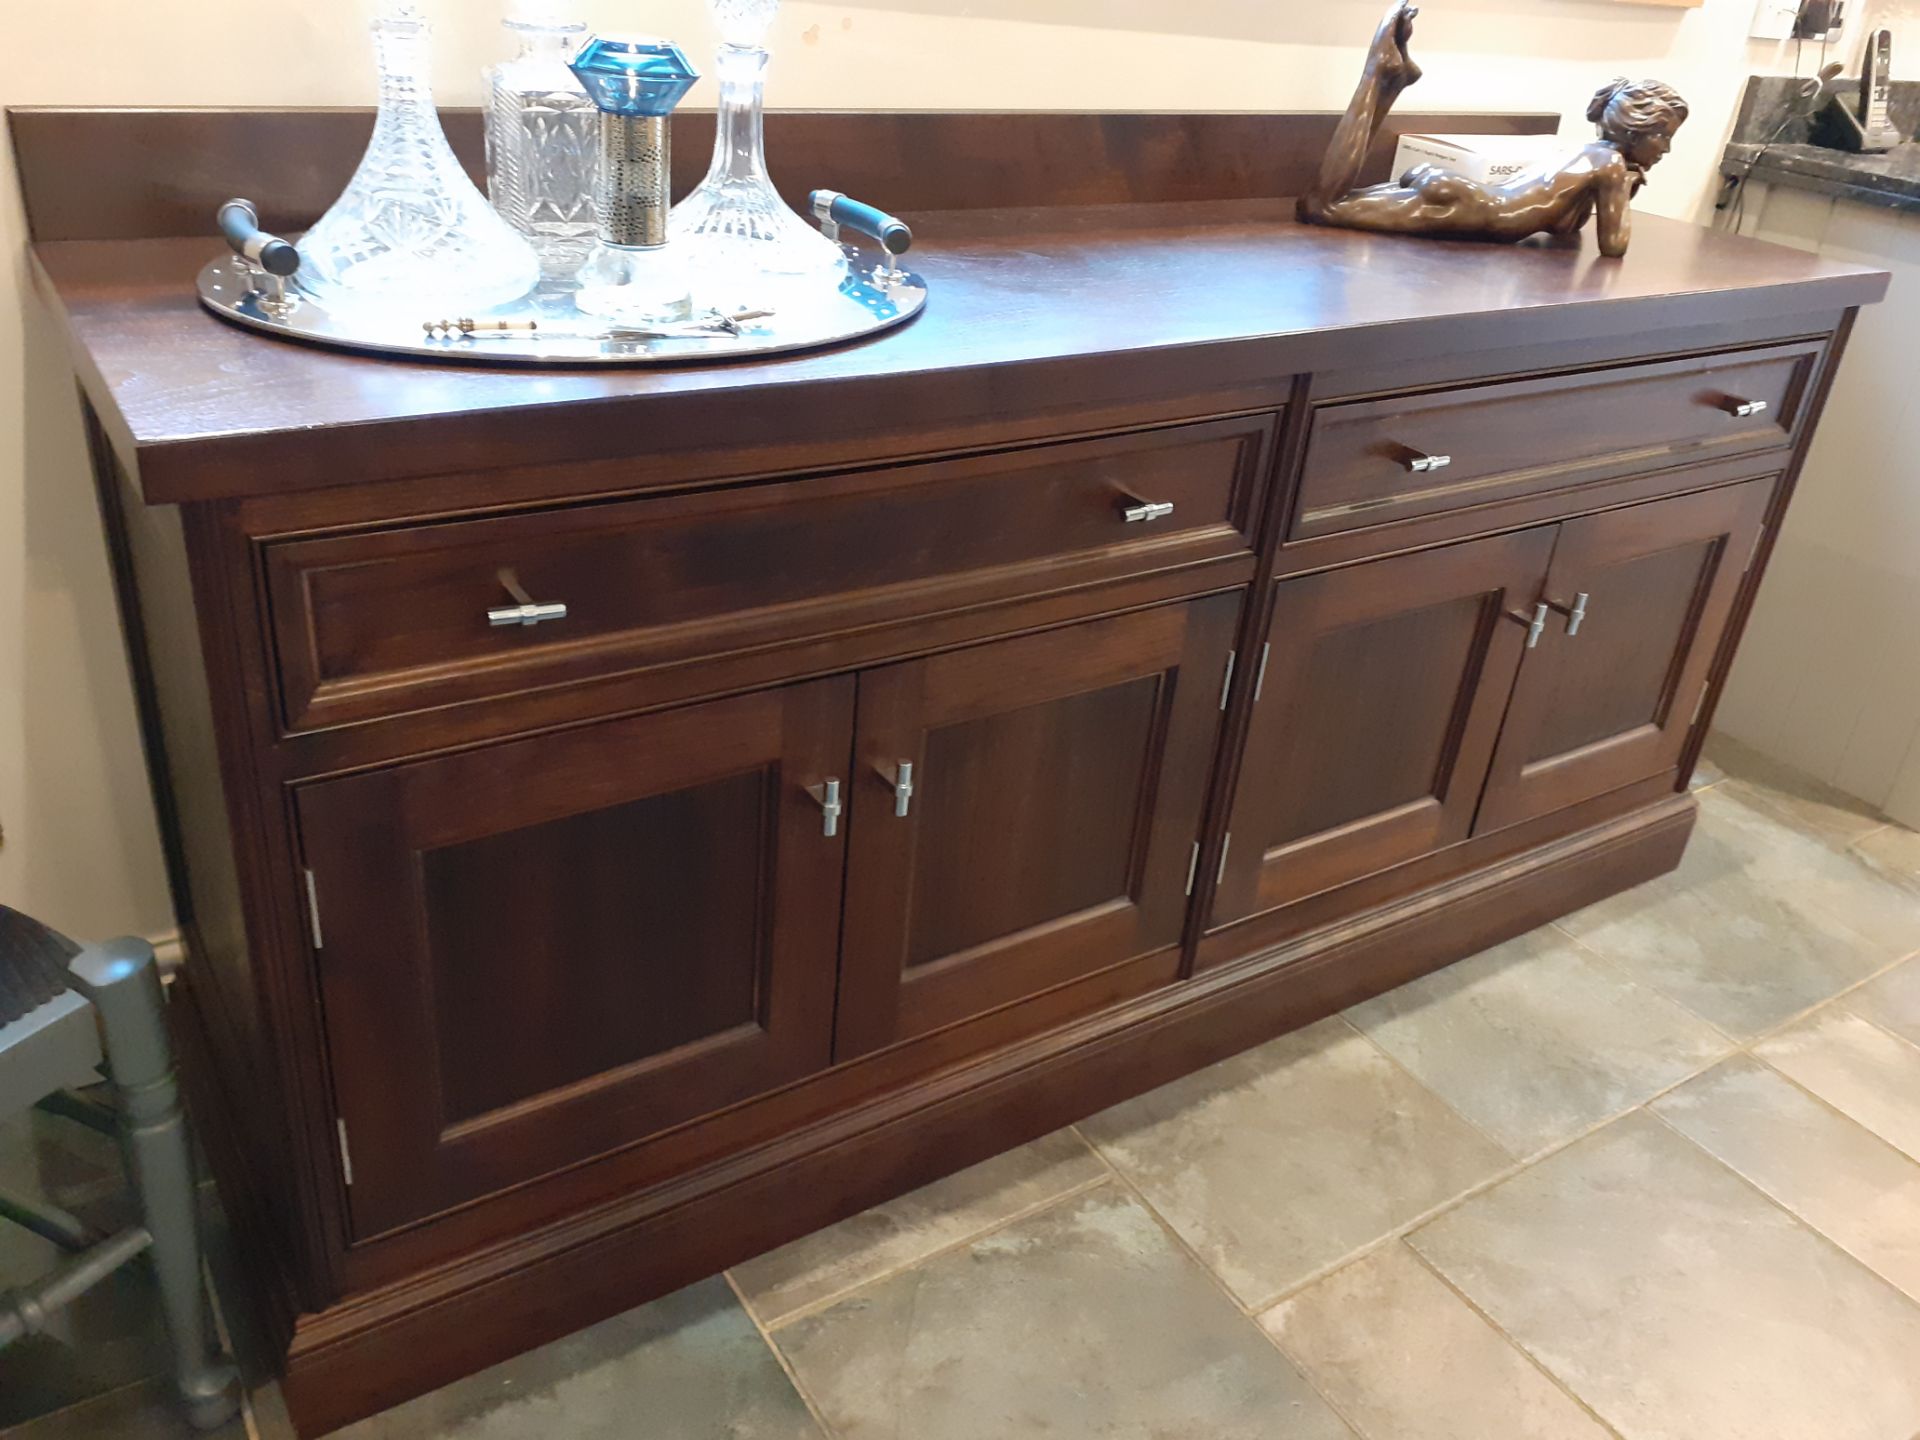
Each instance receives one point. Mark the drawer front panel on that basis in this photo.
(1373, 462)
(381, 623)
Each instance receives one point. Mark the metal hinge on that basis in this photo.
(313, 910)
(1193, 866)
(1699, 707)
(1226, 846)
(1260, 680)
(346, 1155)
(1226, 685)
(1754, 554)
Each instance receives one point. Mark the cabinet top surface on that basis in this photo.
(1023, 302)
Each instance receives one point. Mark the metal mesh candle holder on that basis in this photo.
(632, 273)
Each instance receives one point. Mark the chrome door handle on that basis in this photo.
(899, 779)
(1136, 511)
(528, 614)
(827, 796)
(1743, 409)
(1419, 464)
(1576, 613)
(527, 611)
(1536, 623)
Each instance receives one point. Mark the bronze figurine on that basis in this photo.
(1636, 119)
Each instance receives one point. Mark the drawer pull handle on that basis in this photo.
(1744, 409)
(1536, 623)
(900, 779)
(1136, 511)
(1418, 464)
(527, 611)
(827, 796)
(1576, 613)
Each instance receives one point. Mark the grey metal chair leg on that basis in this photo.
(122, 981)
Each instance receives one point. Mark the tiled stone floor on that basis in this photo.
(1650, 1173)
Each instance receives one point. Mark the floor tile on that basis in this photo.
(1534, 1042)
(1405, 1358)
(1706, 773)
(1854, 1188)
(1283, 1161)
(110, 1337)
(833, 1261)
(1758, 925)
(691, 1365)
(1894, 851)
(1893, 1001)
(1788, 794)
(1680, 1303)
(1857, 1068)
(1083, 1322)
(143, 1411)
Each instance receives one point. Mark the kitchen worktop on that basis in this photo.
(1019, 297)
(1772, 143)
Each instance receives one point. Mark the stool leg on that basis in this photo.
(122, 980)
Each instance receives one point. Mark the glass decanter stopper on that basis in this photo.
(410, 225)
(744, 241)
(543, 139)
(633, 274)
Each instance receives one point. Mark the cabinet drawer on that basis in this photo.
(383, 622)
(1373, 462)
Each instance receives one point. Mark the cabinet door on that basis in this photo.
(1057, 788)
(1610, 701)
(1379, 702)
(535, 953)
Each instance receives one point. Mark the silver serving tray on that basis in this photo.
(870, 299)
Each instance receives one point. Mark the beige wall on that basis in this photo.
(79, 843)
(1828, 679)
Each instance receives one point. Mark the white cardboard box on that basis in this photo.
(1490, 159)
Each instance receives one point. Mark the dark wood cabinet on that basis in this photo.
(1409, 703)
(1158, 600)
(538, 952)
(1026, 814)
(1611, 697)
(1381, 692)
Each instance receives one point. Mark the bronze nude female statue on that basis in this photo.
(1636, 119)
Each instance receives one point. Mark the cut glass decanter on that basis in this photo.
(743, 242)
(410, 224)
(543, 139)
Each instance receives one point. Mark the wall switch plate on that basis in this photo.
(1773, 19)
(1815, 20)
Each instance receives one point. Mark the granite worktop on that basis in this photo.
(1775, 142)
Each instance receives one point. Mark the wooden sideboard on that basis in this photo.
(1191, 625)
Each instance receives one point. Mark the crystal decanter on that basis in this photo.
(633, 275)
(743, 242)
(410, 225)
(543, 139)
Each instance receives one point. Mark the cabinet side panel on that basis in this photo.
(221, 1030)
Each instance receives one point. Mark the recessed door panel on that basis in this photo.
(1071, 758)
(632, 931)
(1382, 692)
(1044, 830)
(534, 954)
(1609, 700)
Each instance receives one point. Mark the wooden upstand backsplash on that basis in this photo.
(529, 976)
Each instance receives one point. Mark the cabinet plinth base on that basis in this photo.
(387, 1346)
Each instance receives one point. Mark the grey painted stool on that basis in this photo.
(60, 1007)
